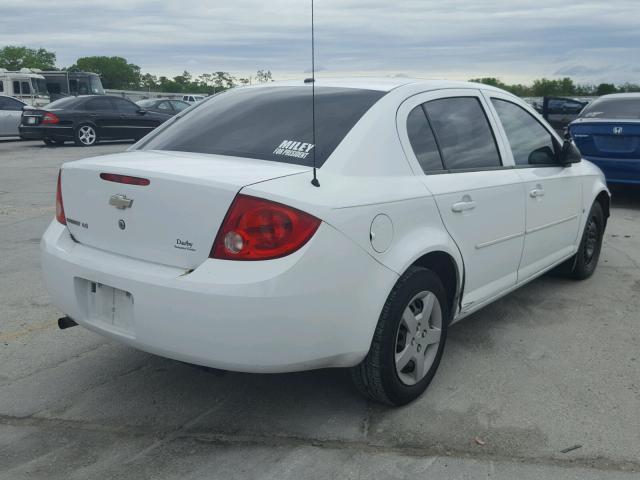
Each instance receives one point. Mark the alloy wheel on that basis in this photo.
(418, 337)
(87, 135)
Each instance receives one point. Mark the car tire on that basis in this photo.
(85, 135)
(383, 375)
(585, 261)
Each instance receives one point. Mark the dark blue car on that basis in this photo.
(607, 132)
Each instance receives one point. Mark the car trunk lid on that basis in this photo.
(607, 138)
(172, 220)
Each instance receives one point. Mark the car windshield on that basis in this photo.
(40, 86)
(95, 85)
(613, 108)
(268, 123)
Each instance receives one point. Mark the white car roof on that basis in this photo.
(384, 84)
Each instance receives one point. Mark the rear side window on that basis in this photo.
(463, 133)
(67, 102)
(531, 143)
(621, 108)
(96, 104)
(269, 123)
(10, 104)
(422, 140)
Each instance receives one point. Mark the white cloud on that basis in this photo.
(515, 40)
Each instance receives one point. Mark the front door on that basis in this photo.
(553, 194)
(479, 197)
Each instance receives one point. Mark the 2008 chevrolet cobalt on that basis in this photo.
(207, 242)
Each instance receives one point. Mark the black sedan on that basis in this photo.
(89, 119)
(163, 105)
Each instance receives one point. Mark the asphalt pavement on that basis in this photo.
(543, 384)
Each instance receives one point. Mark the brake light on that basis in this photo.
(259, 229)
(50, 119)
(60, 216)
(114, 177)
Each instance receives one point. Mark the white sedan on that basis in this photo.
(10, 116)
(208, 243)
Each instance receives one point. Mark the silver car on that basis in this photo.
(10, 113)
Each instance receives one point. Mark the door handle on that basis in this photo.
(536, 192)
(465, 204)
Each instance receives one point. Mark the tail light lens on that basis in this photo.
(59, 206)
(50, 119)
(258, 229)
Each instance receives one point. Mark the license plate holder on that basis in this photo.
(31, 120)
(110, 306)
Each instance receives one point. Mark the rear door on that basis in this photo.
(10, 114)
(101, 112)
(479, 197)
(553, 193)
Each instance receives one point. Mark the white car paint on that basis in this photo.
(319, 306)
(10, 116)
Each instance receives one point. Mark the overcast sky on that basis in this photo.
(591, 41)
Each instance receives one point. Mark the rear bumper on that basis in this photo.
(40, 132)
(624, 171)
(315, 308)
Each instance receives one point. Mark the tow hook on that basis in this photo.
(66, 322)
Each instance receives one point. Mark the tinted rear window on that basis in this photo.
(67, 102)
(621, 108)
(272, 123)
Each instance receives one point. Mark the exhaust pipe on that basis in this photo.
(66, 322)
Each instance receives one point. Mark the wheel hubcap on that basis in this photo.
(418, 337)
(87, 135)
(591, 242)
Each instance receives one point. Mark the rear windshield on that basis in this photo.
(146, 103)
(66, 102)
(619, 108)
(272, 123)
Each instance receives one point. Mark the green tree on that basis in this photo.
(115, 72)
(15, 58)
(606, 89)
(264, 76)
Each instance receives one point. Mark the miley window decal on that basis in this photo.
(291, 148)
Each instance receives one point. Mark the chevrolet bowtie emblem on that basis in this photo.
(120, 201)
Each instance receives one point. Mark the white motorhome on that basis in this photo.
(26, 85)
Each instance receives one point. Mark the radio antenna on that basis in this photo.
(315, 181)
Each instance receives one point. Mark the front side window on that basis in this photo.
(463, 133)
(422, 140)
(26, 88)
(268, 123)
(179, 106)
(531, 143)
(164, 106)
(124, 106)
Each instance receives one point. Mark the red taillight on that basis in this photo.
(59, 206)
(258, 229)
(114, 177)
(50, 119)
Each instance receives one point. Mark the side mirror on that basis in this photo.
(142, 111)
(541, 156)
(569, 153)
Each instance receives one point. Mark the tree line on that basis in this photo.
(117, 73)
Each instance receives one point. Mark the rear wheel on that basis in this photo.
(586, 259)
(408, 341)
(86, 136)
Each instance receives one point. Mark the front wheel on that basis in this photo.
(408, 342)
(586, 259)
(86, 136)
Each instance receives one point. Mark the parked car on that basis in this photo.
(24, 85)
(561, 111)
(88, 119)
(209, 243)
(607, 133)
(163, 105)
(10, 113)
(193, 98)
